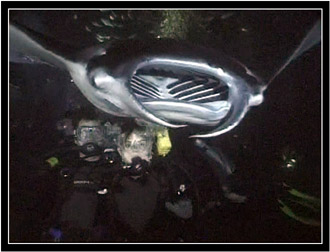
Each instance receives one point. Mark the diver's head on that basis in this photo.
(90, 135)
(90, 131)
(88, 127)
(136, 143)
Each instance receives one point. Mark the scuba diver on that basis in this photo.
(83, 171)
(109, 190)
(121, 182)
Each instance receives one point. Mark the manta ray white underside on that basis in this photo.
(170, 90)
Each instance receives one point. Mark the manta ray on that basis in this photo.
(170, 83)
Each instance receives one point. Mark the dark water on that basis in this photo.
(289, 119)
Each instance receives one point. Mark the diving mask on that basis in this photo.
(136, 144)
(89, 131)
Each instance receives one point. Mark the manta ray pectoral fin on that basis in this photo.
(23, 43)
(312, 38)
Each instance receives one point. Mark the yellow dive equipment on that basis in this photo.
(163, 143)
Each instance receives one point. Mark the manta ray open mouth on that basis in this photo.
(165, 82)
(181, 95)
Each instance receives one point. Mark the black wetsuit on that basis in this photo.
(79, 208)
